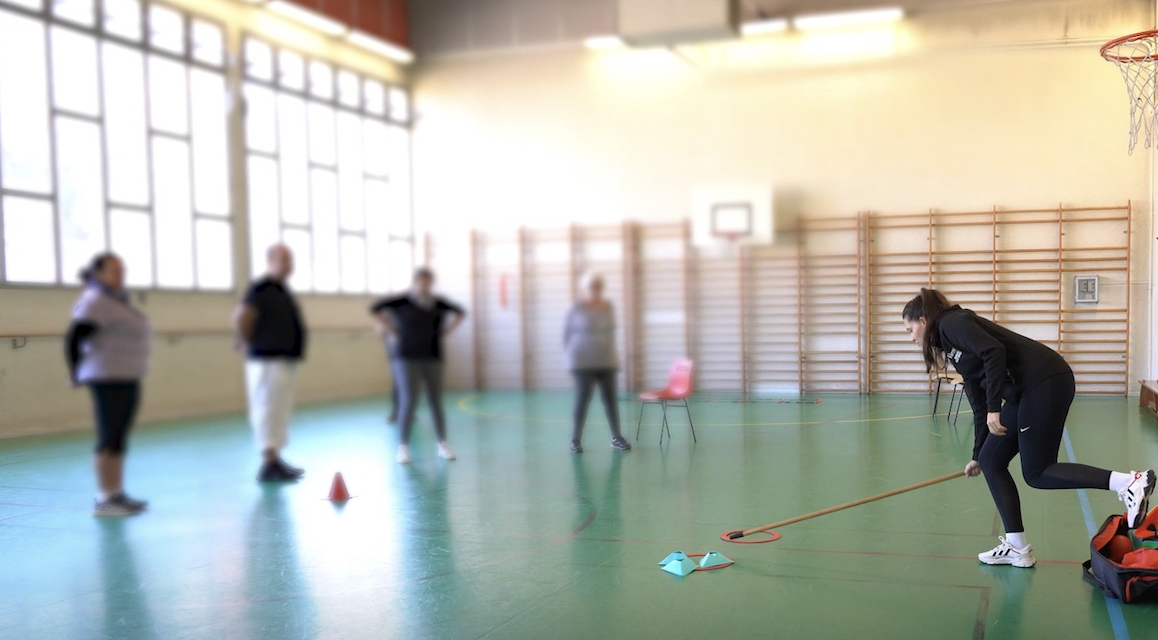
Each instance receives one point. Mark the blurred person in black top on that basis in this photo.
(270, 329)
(1020, 391)
(413, 324)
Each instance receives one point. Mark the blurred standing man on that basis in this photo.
(269, 324)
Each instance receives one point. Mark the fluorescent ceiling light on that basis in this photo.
(604, 42)
(761, 27)
(398, 54)
(847, 18)
(309, 18)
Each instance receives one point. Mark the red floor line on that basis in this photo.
(876, 581)
(889, 554)
(771, 545)
(590, 516)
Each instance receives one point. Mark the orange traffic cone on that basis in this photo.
(338, 491)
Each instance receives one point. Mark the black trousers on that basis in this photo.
(585, 382)
(1034, 429)
(114, 408)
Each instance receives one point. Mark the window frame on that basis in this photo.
(101, 35)
(235, 78)
(334, 102)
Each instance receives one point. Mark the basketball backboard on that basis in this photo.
(732, 213)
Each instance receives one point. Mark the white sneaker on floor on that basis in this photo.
(115, 508)
(445, 452)
(1136, 495)
(1005, 553)
(403, 454)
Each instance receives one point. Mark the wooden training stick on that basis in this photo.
(735, 535)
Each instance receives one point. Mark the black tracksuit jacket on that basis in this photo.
(995, 362)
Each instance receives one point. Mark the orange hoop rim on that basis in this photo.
(1141, 35)
(730, 237)
(772, 537)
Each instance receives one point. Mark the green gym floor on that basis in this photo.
(519, 538)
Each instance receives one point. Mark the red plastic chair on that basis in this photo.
(678, 390)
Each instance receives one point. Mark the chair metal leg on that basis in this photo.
(639, 423)
(936, 397)
(690, 424)
(955, 412)
(663, 425)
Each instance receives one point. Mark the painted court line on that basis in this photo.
(466, 405)
(1113, 607)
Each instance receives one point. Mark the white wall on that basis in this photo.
(552, 136)
(1004, 104)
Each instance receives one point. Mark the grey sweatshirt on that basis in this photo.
(589, 337)
(119, 350)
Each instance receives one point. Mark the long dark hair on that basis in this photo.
(929, 304)
(95, 266)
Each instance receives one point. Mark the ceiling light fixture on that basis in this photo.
(604, 42)
(764, 26)
(813, 21)
(398, 54)
(309, 18)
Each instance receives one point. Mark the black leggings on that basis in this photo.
(1034, 429)
(114, 405)
(585, 381)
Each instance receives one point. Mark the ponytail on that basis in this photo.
(929, 304)
(95, 266)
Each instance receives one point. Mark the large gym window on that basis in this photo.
(328, 156)
(113, 135)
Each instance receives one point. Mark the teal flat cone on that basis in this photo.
(680, 567)
(675, 555)
(714, 559)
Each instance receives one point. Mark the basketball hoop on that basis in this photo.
(1137, 58)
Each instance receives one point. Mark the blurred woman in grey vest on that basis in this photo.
(107, 349)
(589, 345)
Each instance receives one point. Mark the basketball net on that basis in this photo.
(728, 246)
(1137, 58)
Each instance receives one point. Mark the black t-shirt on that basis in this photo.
(279, 331)
(419, 327)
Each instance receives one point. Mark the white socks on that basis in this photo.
(1119, 480)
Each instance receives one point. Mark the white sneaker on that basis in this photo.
(445, 452)
(403, 454)
(1004, 553)
(1136, 495)
(114, 508)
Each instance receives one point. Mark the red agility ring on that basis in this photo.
(773, 537)
(700, 555)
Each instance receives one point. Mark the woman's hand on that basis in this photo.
(993, 421)
(973, 469)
